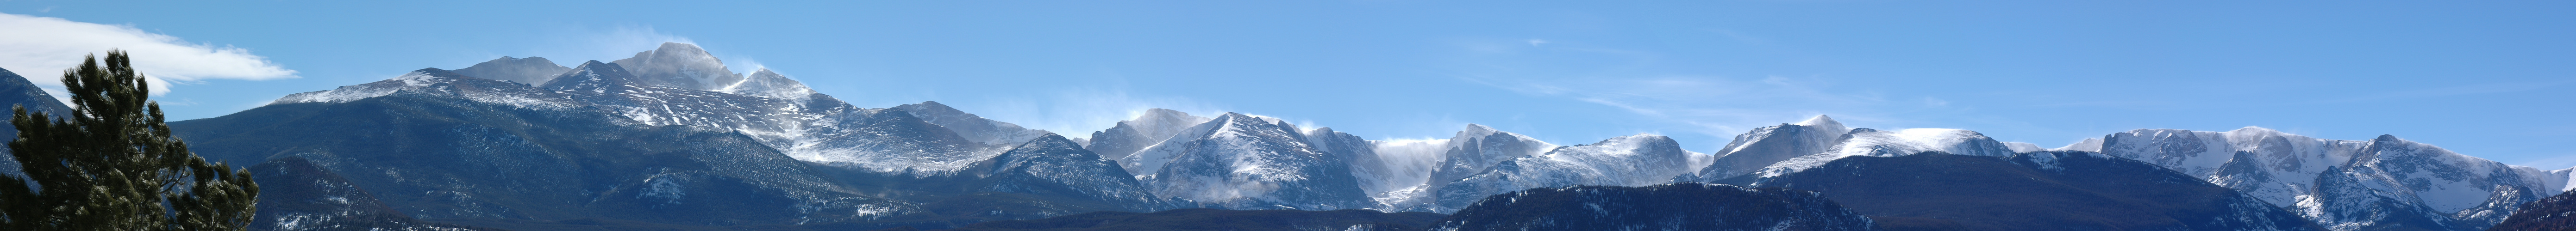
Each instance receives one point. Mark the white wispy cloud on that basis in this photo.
(1077, 112)
(41, 47)
(1631, 80)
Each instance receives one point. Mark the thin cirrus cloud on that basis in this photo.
(162, 58)
(1639, 82)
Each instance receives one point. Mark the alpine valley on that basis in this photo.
(671, 139)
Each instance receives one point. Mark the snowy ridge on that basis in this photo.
(1868, 142)
(1635, 160)
(2345, 184)
(442, 82)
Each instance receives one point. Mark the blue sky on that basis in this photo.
(2485, 78)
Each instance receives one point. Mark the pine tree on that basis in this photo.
(113, 165)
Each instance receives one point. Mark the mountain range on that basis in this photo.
(673, 139)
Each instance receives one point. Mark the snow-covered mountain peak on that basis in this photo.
(1823, 122)
(1227, 131)
(680, 65)
(530, 70)
(1765, 146)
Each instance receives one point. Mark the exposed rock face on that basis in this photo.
(1680, 206)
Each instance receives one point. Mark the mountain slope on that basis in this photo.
(447, 141)
(295, 194)
(1680, 206)
(2039, 190)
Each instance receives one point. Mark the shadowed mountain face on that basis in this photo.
(17, 91)
(1214, 219)
(1680, 206)
(295, 194)
(2553, 213)
(2031, 191)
